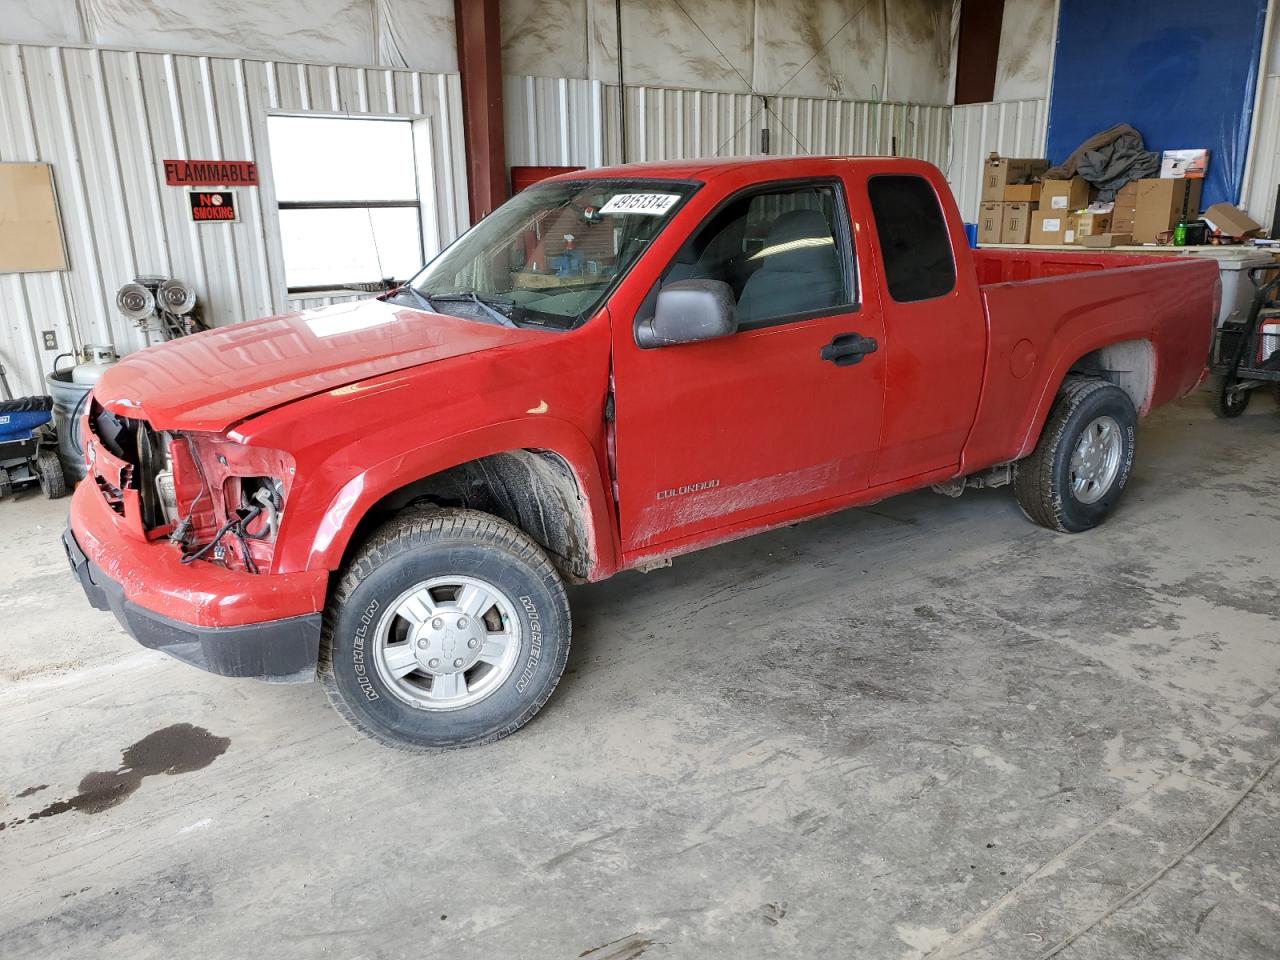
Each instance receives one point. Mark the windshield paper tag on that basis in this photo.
(654, 204)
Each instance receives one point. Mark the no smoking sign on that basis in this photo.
(213, 206)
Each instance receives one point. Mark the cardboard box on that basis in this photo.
(1230, 221)
(990, 222)
(1161, 203)
(1052, 227)
(1103, 240)
(1122, 225)
(1017, 223)
(1064, 196)
(1178, 164)
(999, 172)
(1127, 195)
(1022, 193)
(1092, 224)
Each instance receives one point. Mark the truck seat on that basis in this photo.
(799, 271)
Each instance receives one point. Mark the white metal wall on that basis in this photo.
(107, 119)
(575, 123)
(1260, 187)
(1013, 128)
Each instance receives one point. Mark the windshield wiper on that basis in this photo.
(422, 301)
(484, 304)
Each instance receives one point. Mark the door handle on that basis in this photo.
(846, 349)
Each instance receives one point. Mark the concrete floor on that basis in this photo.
(922, 729)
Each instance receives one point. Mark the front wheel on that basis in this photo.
(1080, 467)
(449, 628)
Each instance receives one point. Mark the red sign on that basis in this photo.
(210, 173)
(213, 206)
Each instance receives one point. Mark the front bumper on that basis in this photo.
(229, 623)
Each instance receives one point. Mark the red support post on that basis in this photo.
(480, 65)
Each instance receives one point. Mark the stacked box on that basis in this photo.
(1125, 208)
(1089, 224)
(990, 222)
(1160, 203)
(1052, 227)
(1010, 195)
(1017, 222)
(1000, 172)
(1065, 196)
(1004, 222)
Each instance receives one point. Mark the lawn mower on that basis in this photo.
(28, 450)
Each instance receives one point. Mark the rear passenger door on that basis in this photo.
(727, 432)
(935, 328)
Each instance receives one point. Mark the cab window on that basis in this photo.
(784, 251)
(914, 242)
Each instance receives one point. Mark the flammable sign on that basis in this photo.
(213, 206)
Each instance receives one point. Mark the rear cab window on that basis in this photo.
(915, 243)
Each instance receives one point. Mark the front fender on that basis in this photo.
(319, 540)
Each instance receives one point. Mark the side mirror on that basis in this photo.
(689, 311)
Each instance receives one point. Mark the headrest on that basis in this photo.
(798, 241)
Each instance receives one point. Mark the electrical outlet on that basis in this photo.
(50, 339)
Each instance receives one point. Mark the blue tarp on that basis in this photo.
(1183, 72)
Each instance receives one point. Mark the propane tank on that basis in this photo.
(94, 363)
(70, 388)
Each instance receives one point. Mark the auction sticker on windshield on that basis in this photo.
(655, 204)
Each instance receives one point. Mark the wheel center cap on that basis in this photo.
(449, 643)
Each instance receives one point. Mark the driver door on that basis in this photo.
(754, 427)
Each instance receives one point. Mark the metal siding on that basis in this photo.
(575, 122)
(1259, 194)
(106, 119)
(1013, 128)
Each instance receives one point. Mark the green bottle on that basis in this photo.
(1180, 234)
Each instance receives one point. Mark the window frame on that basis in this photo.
(842, 232)
(946, 233)
(365, 286)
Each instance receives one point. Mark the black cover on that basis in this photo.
(27, 405)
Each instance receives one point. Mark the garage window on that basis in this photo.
(347, 191)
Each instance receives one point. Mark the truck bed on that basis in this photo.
(1011, 266)
(1153, 314)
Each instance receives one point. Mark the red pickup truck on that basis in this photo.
(614, 368)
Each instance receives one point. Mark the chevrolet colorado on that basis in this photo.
(612, 369)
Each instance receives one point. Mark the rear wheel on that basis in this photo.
(1080, 467)
(449, 628)
(53, 483)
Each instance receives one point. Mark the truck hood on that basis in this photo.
(210, 381)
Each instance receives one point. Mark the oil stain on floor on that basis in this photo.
(179, 748)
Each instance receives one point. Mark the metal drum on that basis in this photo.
(70, 391)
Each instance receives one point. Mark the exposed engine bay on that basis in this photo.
(217, 500)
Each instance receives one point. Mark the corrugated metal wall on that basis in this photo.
(1014, 128)
(556, 121)
(107, 119)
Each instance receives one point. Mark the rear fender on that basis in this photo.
(1083, 356)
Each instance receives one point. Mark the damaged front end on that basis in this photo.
(175, 532)
(218, 501)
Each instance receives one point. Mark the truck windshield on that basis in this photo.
(549, 255)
